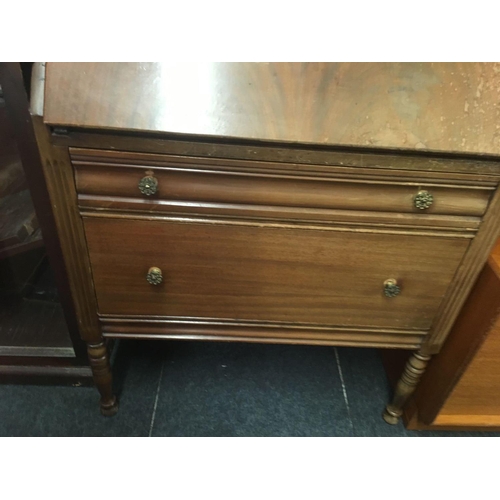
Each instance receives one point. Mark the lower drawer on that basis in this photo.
(274, 274)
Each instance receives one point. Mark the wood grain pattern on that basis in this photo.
(196, 185)
(450, 107)
(268, 273)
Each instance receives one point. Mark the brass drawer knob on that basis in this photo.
(423, 200)
(154, 276)
(148, 185)
(391, 288)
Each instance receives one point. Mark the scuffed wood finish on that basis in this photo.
(268, 161)
(192, 184)
(475, 168)
(269, 273)
(447, 107)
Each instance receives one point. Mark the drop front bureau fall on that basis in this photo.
(308, 203)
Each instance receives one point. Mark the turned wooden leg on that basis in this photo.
(101, 370)
(414, 369)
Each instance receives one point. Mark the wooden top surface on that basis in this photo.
(452, 107)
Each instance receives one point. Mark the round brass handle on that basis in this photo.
(154, 276)
(148, 185)
(423, 200)
(391, 288)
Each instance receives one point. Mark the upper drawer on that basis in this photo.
(101, 182)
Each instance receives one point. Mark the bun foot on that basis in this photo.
(110, 409)
(391, 417)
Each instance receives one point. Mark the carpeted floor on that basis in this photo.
(217, 389)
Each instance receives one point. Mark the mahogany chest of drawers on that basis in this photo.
(333, 204)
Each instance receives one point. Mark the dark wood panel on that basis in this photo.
(32, 324)
(18, 271)
(44, 374)
(416, 106)
(17, 105)
(269, 273)
(18, 223)
(12, 177)
(35, 347)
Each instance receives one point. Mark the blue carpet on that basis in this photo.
(218, 389)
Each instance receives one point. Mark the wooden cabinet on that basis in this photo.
(279, 202)
(39, 336)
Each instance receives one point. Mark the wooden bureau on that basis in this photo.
(313, 203)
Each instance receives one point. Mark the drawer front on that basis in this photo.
(115, 186)
(111, 179)
(247, 272)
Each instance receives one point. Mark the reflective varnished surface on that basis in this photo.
(450, 107)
